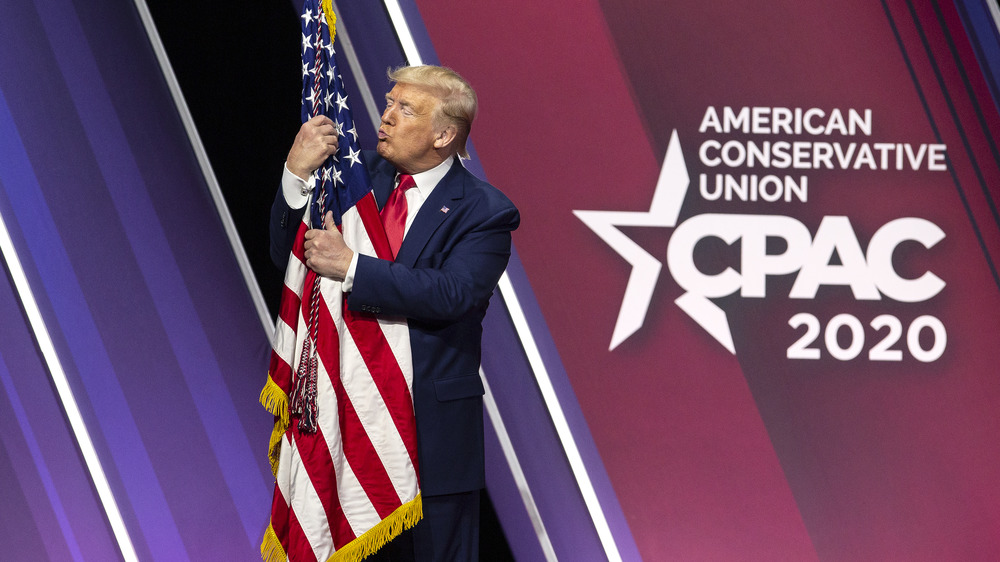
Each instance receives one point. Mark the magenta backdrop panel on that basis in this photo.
(812, 371)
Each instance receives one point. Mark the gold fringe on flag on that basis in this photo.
(275, 401)
(405, 517)
(270, 548)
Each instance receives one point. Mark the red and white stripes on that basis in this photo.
(349, 487)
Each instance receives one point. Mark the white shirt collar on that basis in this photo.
(427, 180)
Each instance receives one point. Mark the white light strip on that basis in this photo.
(559, 419)
(65, 393)
(206, 168)
(403, 33)
(515, 469)
(359, 76)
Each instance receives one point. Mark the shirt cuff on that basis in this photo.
(348, 283)
(295, 189)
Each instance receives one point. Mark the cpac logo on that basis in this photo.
(870, 275)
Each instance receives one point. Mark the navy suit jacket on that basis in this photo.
(441, 281)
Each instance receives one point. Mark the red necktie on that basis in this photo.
(394, 213)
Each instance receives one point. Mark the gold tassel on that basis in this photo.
(331, 18)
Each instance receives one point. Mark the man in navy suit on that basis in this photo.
(455, 247)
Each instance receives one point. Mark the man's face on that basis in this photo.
(406, 136)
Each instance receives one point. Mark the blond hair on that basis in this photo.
(458, 100)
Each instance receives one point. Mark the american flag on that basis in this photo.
(343, 449)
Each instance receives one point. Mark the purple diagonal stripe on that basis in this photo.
(80, 332)
(44, 475)
(232, 451)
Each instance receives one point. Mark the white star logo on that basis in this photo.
(671, 187)
(354, 132)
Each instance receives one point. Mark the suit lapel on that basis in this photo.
(442, 203)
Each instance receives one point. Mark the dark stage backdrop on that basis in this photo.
(752, 312)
